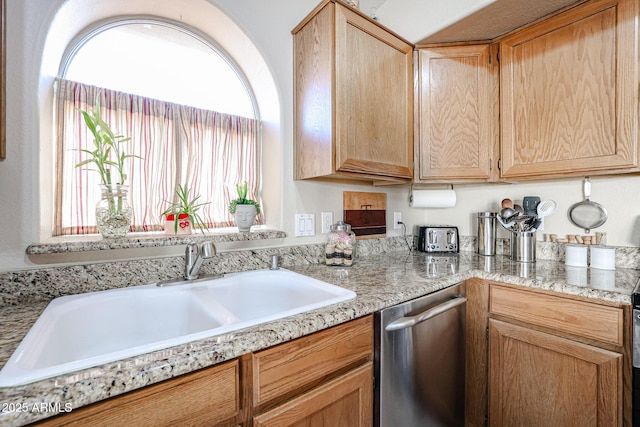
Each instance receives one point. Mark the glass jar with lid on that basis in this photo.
(340, 247)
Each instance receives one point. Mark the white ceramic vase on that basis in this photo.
(245, 217)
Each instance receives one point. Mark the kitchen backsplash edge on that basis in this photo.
(47, 283)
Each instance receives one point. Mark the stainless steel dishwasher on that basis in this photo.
(419, 361)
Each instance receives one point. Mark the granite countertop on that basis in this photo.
(379, 281)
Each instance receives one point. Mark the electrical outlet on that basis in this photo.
(541, 226)
(327, 222)
(397, 219)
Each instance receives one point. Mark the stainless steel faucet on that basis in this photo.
(194, 256)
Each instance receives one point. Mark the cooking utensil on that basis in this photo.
(514, 217)
(533, 225)
(506, 213)
(587, 214)
(546, 208)
(518, 208)
(530, 204)
(505, 224)
(507, 203)
(519, 217)
(522, 220)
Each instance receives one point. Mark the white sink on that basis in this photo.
(81, 331)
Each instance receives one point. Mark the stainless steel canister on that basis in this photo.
(523, 246)
(487, 233)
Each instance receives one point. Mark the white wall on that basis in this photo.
(268, 24)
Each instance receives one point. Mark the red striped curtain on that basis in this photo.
(208, 151)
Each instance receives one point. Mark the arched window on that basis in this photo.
(187, 108)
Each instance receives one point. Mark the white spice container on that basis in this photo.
(603, 257)
(575, 255)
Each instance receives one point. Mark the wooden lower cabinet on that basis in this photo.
(539, 379)
(208, 397)
(322, 379)
(540, 358)
(346, 401)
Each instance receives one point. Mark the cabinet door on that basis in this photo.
(456, 113)
(569, 93)
(374, 98)
(287, 369)
(209, 397)
(347, 401)
(314, 52)
(537, 379)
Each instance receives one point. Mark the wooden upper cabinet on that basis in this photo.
(456, 113)
(353, 98)
(569, 102)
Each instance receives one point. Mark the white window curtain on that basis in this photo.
(210, 152)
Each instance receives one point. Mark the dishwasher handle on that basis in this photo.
(408, 322)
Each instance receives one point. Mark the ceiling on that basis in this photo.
(369, 7)
(496, 19)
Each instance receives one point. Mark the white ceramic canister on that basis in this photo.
(603, 257)
(576, 276)
(575, 255)
(603, 279)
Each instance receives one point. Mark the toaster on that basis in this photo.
(437, 238)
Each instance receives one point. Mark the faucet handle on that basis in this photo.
(275, 260)
(207, 249)
(191, 251)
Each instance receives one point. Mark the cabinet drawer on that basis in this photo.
(589, 320)
(203, 398)
(344, 401)
(305, 362)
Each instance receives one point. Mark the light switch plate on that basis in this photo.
(305, 225)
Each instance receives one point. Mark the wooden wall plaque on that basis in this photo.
(366, 213)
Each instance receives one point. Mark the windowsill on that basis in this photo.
(95, 242)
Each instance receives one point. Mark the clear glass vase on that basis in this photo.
(113, 213)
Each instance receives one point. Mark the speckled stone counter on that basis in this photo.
(149, 240)
(379, 280)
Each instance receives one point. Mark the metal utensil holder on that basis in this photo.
(523, 246)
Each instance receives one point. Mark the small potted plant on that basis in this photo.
(113, 213)
(181, 216)
(243, 209)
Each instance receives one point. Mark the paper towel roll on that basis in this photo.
(433, 199)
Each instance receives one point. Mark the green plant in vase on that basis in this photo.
(113, 213)
(244, 209)
(185, 207)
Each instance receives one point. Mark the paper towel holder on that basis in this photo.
(411, 192)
